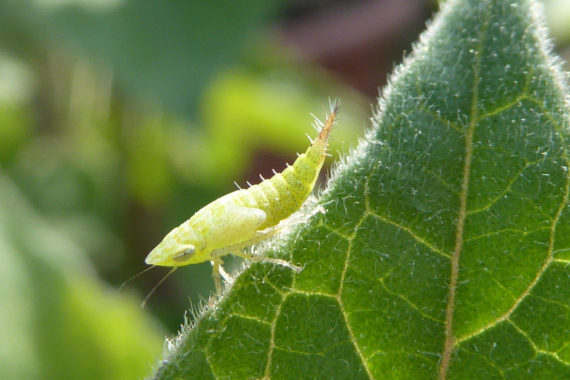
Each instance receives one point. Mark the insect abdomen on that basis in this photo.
(284, 193)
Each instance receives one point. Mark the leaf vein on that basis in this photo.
(506, 190)
(504, 230)
(249, 318)
(341, 303)
(410, 303)
(267, 372)
(462, 214)
(504, 107)
(439, 118)
(416, 237)
(547, 262)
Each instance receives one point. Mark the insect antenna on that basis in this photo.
(135, 276)
(237, 185)
(143, 304)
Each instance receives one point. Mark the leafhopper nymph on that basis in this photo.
(244, 217)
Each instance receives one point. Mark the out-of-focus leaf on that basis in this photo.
(166, 49)
(148, 173)
(558, 15)
(14, 130)
(57, 320)
(247, 112)
(443, 251)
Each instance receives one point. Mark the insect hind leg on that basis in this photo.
(258, 258)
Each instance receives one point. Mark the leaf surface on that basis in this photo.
(444, 248)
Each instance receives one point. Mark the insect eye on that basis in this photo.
(184, 255)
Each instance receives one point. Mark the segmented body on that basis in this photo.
(285, 192)
(279, 197)
(245, 216)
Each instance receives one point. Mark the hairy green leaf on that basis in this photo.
(444, 248)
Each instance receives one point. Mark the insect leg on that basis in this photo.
(253, 257)
(228, 278)
(216, 265)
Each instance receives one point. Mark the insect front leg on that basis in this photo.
(228, 278)
(218, 272)
(216, 266)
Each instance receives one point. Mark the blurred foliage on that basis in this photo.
(58, 320)
(558, 14)
(118, 120)
(167, 50)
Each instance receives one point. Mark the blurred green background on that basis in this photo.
(119, 119)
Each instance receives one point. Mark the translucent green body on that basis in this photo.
(243, 217)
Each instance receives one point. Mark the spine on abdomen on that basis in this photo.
(285, 192)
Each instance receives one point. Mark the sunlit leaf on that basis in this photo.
(445, 245)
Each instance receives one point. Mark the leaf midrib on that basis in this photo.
(449, 342)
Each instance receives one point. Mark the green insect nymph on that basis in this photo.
(244, 217)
